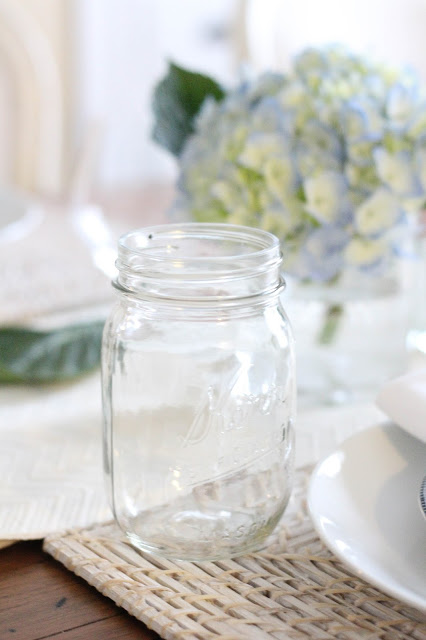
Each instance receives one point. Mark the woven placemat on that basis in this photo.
(294, 589)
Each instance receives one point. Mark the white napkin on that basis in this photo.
(404, 402)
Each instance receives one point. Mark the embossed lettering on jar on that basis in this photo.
(198, 390)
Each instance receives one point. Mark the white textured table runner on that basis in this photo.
(51, 457)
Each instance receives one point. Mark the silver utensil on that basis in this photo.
(422, 496)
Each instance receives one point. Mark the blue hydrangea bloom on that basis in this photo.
(330, 157)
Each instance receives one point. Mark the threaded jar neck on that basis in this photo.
(199, 261)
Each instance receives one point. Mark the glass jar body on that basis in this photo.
(198, 426)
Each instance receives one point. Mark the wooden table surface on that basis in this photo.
(40, 599)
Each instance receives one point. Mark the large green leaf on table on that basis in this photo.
(57, 355)
(177, 100)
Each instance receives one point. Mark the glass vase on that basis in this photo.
(351, 335)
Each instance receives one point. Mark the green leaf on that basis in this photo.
(177, 100)
(49, 356)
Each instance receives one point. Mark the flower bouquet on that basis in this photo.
(330, 157)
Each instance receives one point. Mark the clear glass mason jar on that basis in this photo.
(198, 390)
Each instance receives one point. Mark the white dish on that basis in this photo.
(363, 500)
(403, 400)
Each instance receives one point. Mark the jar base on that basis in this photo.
(202, 536)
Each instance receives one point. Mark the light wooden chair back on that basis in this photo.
(31, 104)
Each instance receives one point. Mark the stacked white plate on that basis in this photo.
(364, 497)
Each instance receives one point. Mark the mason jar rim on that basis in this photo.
(199, 261)
(266, 240)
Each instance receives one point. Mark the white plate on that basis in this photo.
(363, 499)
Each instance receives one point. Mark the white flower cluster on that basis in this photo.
(330, 158)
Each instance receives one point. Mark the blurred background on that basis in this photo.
(76, 80)
(65, 64)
